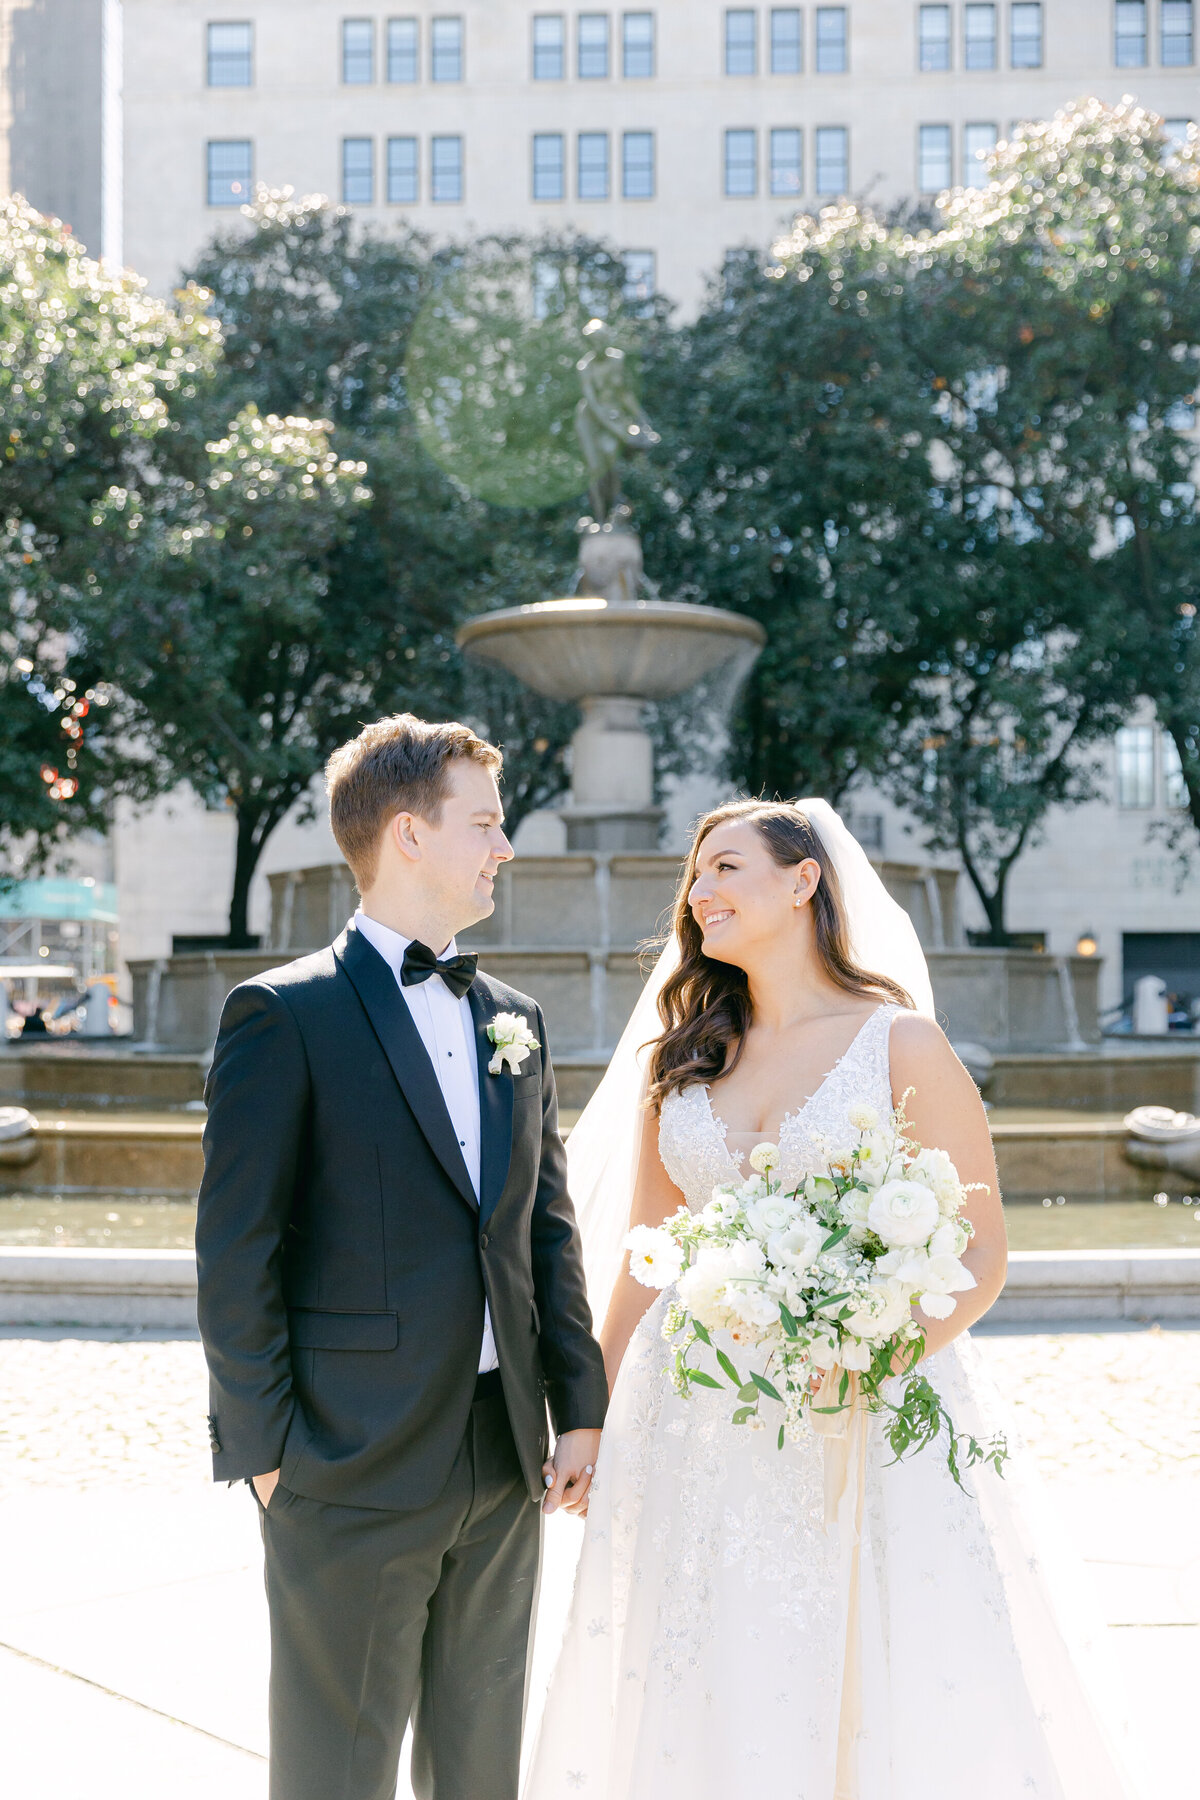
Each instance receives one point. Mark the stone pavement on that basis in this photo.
(132, 1622)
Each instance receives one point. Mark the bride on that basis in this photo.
(721, 1642)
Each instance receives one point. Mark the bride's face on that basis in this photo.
(741, 898)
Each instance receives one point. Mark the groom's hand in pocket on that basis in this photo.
(568, 1473)
(264, 1486)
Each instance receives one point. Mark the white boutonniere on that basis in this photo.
(513, 1040)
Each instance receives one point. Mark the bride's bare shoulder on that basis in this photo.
(919, 1051)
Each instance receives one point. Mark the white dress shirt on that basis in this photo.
(448, 1033)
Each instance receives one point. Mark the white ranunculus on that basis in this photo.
(655, 1259)
(770, 1214)
(904, 1212)
(950, 1239)
(936, 1169)
(855, 1205)
(863, 1118)
(764, 1158)
(798, 1245)
(701, 1290)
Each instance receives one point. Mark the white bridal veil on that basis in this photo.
(602, 1149)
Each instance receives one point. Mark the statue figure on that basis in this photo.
(608, 420)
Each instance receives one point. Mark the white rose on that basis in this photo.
(797, 1247)
(904, 1212)
(935, 1168)
(701, 1290)
(863, 1118)
(764, 1158)
(772, 1213)
(655, 1259)
(855, 1205)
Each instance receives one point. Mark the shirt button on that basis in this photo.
(483, 1242)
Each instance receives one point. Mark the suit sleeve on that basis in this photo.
(258, 1096)
(576, 1386)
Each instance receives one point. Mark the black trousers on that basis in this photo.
(378, 1617)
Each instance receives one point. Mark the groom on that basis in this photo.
(391, 1292)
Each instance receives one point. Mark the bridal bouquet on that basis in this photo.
(817, 1286)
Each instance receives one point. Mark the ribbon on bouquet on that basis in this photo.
(844, 1432)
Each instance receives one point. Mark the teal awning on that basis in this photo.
(57, 898)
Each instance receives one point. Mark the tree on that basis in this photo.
(88, 364)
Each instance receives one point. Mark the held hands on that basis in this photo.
(264, 1486)
(568, 1473)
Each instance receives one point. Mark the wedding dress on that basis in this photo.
(706, 1643)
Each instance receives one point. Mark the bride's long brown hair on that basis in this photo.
(705, 1005)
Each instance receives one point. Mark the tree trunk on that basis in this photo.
(1181, 731)
(254, 826)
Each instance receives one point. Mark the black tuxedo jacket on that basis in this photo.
(343, 1258)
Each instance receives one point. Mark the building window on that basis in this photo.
(446, 169)
(1174, 786)
(446, 49)
(637, 165)
(403, 50)
(1025, 46)
(1135, 765)
(933, 159)
(979, 40)
(833, 56)
(741, 164)
(593, 46)
(978, 143)
(787, 161)
(230, 168)
(402, 171)
(549, 166)
(637, 46)
(592, 166)
(1129, 49)
(1176, 34)
(358, 51)
(230, 55)
(786, 53)
(639, 280)
(1176, 133)
(741, 42)
(933, 38)
(358, 171)
(549, 47)
(831, 159)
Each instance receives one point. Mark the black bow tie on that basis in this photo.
(458, 972)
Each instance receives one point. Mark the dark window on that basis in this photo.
(1174, 956)
(637, 46)
(403, 51)
(934, 38)
(637, 165)
(402, 171)
(741, 164)
(786, 54)
(592, 165)
(787, 161)
(358, 51)
(230, 170)
(358, 171)
(833, 49)
(446, 49)
(741, 42)
(230, 55)
(446, 168)
(549, 47)
(549, 180)
(593, 46)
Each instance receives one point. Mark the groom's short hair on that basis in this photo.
(396, 765)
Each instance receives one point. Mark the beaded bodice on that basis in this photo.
(691, 1137)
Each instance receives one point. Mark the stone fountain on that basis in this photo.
(612, 645)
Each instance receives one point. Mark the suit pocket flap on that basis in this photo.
(310, 1328)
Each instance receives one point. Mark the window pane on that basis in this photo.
(741, 164)
(639, 278)
(1174, 786)
(933, 161)
(741, 42)
(1176, 33)
(593, 165)
(230, 171)
(832, 159)
(637, 45)
(230, 55)
(358, 171)
(1176, 132)
(549, 182)
(358, 50)
(446, 168)
(934, 37)
(402, 170)
(980, 44)
(978, 143)
(637, 165)
(593, 46)
(1130, 46)
(549, 47)
(1026, 46)
(786, 55)
(1135, 765)
(832, 49)
(446, 49)
(787, 166)
(402, 51)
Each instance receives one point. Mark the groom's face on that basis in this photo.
(461, 853)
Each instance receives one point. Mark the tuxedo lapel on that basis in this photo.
(401, 1041)
(495, 1103)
